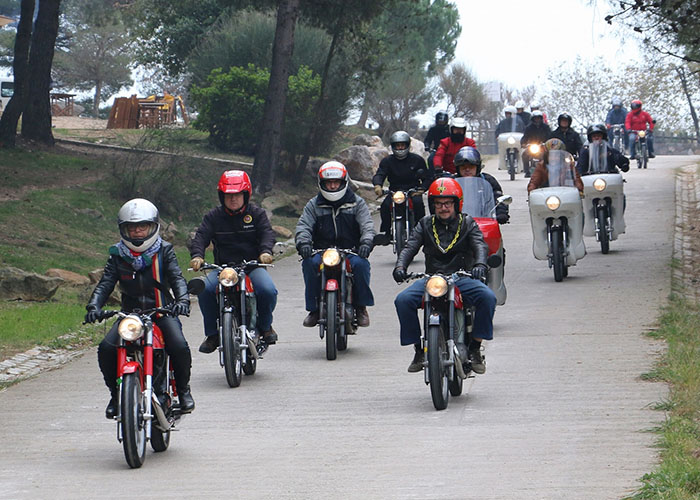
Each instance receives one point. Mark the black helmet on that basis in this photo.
(469, 155)
(597, 128)
(441, 118)
(565, 116)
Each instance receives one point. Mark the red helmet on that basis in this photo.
(235, 181)
(445, 187)
(636, 104)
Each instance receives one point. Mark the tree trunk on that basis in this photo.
(20, 63)
(268, 150)
(688, 95)
(96, 101)
(36, 122)
(364, 114)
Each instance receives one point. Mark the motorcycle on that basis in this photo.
(556, 215)
(509, 152)
(603, 199)
(402, 216)
(240, 346)
(446, 321)
(618, 136)
(641, 148)
(336, 313)
(146, 385)
(479, 204)
(535, 151)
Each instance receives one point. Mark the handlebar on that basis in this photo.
(246, 264)
(105, 315)
(416, 276)
(409, 192)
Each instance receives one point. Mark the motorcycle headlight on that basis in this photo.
(534, 149)
(331, 257)
(436, 286)
(131, 328)
(399, 197)
(642, 133)
(228, 277)
(511, 140)
(599, 184)
(553, 202)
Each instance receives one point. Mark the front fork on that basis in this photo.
(608, 227)
(563, 227)
(144, 370)
(432, 317)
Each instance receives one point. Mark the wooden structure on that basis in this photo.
(150, 112)
(62, 104)
(4, 21)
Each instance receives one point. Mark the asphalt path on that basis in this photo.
(562, 411)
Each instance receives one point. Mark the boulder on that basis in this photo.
(69, 277)
(418, 147)
(285, 204)
(379, 154)
(368, 140)
(359, 161)
(96, 275)
(168, 230)
(282, 232)
(16, 284)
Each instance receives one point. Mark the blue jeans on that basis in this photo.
(474, 292)
(650, 143)
(265, 295)
(361, 293)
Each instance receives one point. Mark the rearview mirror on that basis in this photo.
(506, 199)
(196, 285)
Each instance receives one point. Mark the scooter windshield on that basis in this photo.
(560, 169)
(478, 196)
(598, 157)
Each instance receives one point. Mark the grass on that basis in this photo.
(678, 475)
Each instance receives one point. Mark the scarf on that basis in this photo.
(137, 260)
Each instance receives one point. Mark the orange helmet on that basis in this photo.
(235, 181)
(445, 187)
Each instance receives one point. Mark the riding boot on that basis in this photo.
(186, 400)
(418, 359)
(113, 405)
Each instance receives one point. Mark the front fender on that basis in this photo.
(131, 367)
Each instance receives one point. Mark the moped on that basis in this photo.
(509, 152)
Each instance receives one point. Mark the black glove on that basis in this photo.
(305, 251)
(479, 272)
(502, 218)
(180, 309)
(400, 275)
(94, 313)
(364, 251)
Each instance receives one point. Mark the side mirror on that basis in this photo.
(505, 199)
(196, 285)
(494, 261)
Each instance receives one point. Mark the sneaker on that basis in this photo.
(311, 319)
(211, 342)
(652, 155)
(362, 316)
(112, 406)
(186, 400)
(270, 336)
(477, 361)
(417, 363)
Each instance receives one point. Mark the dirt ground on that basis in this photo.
(75, 122)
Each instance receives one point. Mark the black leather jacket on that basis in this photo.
(138, 288)
(469, 249)
(615, 160)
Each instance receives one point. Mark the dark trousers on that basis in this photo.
(385, 212)
(175, 345)
(361, 293)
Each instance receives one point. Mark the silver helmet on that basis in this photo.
(138, 211)
(398, 137)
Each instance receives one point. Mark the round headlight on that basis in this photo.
(436, 286)
(399, 197)
(131, 328)
(642, 133)
(599, 184)
(553, 202)
(534, 148)
(511, 140)
(228, 277)
(331, 257)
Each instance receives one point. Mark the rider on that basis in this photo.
(336, 217)
(616, 116)
(443, 160)
(596, 135)
(240, 231)
(511, 122)
(540, 177)
(635, 121)
(436, 133)
(143, 286)
(537, 132)
(405, 170)
(567, 135)
(468, 163)
(534, 106)
(520, 111)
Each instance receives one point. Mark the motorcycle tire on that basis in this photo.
(160, 440)
(251, 364)
(331, 325)
(602, 215)
(437, 373)
(399, 238)
(645, 157)
(456, 384)
(341, 341)
(511, 167)
(232, 349)
(558, 263)
(132, 422)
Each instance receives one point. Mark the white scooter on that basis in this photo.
(556, 215)
(604, 198)
(479, 204)
(509, 152)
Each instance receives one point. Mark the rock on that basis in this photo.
(96, 275)
(418, 148)
(284, 204)
(359, 161)
(368, 140)
(68, 276)
(379, 154)
(16, 284)
(282, 232)
(168, 230)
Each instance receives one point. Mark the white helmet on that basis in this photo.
(520, 104)
(510, 109)
(137, 211)
(458, 122)
(333, 170)
(536, 113)
(535, 105)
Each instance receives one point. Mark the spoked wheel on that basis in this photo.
(160, 440)
(331, 325)
(251, 364)
(437, 371)
(399, 237)
(232, 350)
(602, 215)
(558, 263)
(133, 425)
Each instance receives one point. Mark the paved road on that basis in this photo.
(561, 413)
